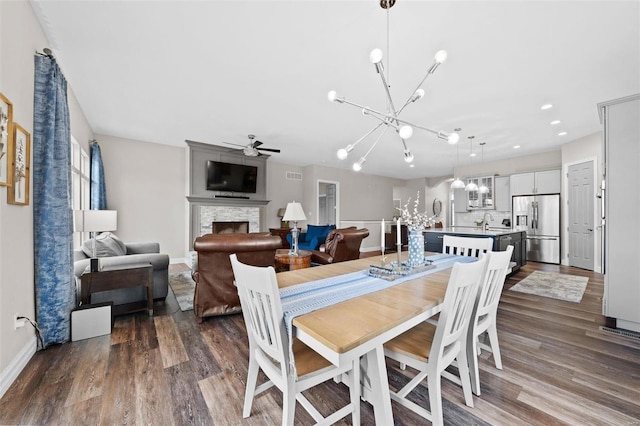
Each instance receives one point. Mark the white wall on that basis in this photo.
(20, 37)
(363, 197)
(530, 163)
(589, 148)
(145, 184)
(438, 189)
(281, 191)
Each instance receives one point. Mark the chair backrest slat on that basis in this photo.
(262, 310)
(493, 281)
(457, 306)
(466, 246)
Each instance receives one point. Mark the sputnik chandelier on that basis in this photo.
(391, 118)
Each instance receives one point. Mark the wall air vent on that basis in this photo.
(293, 176)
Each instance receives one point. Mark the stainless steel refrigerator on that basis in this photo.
(539, 215)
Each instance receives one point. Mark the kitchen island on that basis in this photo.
(502, 237)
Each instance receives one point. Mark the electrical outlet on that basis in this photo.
(18, 323)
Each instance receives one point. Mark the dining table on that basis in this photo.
(358, 328)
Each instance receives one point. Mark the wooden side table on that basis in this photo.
(286, 262)
(116, 277)
(282, 233)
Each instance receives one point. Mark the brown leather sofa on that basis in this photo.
(341, 245)
(215, 293)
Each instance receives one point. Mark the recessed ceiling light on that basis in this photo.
(554, 122)
(412, 165)
(562, 133)
(472, 155)
(546, 106)
(516, 146)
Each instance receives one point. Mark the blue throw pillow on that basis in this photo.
(314, 231)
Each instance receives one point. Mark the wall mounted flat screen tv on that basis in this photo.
(231, 177)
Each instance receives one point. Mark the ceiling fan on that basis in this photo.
(251, 149)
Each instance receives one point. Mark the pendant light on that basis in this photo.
(483, 189)
(471, 186)
(457, 182)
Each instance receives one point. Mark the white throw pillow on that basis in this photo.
(107, 245)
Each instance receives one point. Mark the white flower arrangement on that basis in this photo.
(415, 220)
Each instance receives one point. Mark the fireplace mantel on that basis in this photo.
(242, 202)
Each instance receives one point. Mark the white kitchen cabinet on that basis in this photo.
(542, 182)
(622, 204)
(503, 193)
(477, 200)
(548, 182)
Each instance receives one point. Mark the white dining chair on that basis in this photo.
(431, 349)
(483, 318)
(466, 246)
(269, 350)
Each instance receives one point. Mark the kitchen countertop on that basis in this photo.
(473, 230)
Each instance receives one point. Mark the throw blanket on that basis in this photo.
(307, 297)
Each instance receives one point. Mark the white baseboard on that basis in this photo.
(178, 260)
(369, 249)
(9, 375)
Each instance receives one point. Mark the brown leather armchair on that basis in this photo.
(215, 293)
(341, 245)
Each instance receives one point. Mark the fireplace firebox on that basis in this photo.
(230, 227)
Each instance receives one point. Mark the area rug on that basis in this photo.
(551, 284)
(183, 287)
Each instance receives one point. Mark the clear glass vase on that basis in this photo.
(416, 247)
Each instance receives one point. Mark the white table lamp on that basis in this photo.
(294, 213)
(94, 221)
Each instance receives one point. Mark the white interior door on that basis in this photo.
(581, 205)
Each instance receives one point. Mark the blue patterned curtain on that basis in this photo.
(52, 202)
(98, 191)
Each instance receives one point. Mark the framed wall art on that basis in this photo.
(20, 167)
(6, 139)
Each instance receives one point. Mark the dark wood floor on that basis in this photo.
(559, 368)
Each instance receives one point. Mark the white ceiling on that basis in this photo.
(216, 71)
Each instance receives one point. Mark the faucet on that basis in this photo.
(484, 219)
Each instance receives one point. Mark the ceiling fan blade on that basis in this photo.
(268, 149)
(256, 143)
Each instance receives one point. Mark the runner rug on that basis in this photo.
(554, 285)
(183, 287)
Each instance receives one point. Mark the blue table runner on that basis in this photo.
(304, 298)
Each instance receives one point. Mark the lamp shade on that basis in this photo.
(294, 212)
(95, 220)
(281, 212)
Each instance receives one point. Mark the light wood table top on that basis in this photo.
(348, 324)
(354, 331)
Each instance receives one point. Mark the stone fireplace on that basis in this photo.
(207, 207)
(226, 212)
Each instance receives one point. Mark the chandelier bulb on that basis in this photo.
(418, 94)
(375, 56)
(357, 166)
(441, 56)
(365, 110)
(343, 153)
(453, 138)
(332, 96)
(408, 156)
(405, 132)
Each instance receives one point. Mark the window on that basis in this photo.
(80, 180)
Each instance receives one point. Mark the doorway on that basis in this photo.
(328, 202)
(581, 215)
